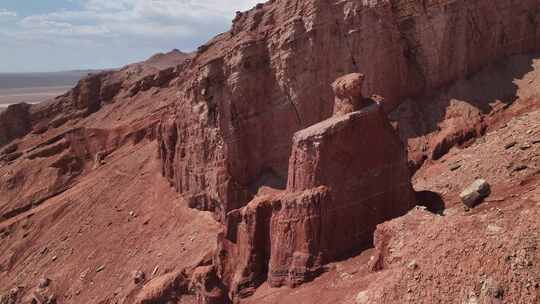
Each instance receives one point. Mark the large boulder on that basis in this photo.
(348, 92)
(475, 193)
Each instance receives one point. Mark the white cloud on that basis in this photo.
(5, 13)
(158, 18)
(101, 5)
(111, 33)
(55, 24)
(174, 7)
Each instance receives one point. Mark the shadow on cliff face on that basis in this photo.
(267, 180)
(496, 82)
(453, 115)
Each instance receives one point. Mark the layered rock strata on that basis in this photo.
(248, 91)
(346, 175)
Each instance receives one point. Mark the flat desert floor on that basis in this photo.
(30, 95)
(36, 87)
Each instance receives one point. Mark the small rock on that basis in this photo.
(37, 297)
(51, 299)
(13, 293)
(100, 268)
(473, 194)
(494, 229)
(139, 277)
(362, 297)
(525, 147)
(44, 282)
(54, 258)
(83, 274)
(99, 159)
(536, 141)
(155, 271)
(454, 167)
(412, 265)
(510, 144)
(520, 167)
(492, 289)
(472, 300)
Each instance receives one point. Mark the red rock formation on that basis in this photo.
(226, 120)
(63, 136)
(346, 175)
(208, 287)
(270, 74)
(348, 91)
(275, 238)
(64, 217)
(14, 123)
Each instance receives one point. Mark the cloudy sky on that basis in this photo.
(54, 35)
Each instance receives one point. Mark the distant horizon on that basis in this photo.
(9, 81)
(75, 70)
(59, 71)
(73, 35)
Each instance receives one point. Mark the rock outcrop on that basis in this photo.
(348, 91)
(207, 286)
(245, 128)
(346, 175)
(14, 123)
(248, 91)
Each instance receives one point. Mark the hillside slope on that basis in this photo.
(228, 175)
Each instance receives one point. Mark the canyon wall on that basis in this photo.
(247, 128)
(247, 91)
(229, 146)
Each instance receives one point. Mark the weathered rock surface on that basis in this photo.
(346, 175)
(166, 288)
(348, 91)
(208, 286)
(224, 122)
(61, 218)
(139, 277)
(14, 123)
(473, 194)
(270, 74)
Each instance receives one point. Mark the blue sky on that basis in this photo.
(55, 35)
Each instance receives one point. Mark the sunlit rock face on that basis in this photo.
(346, 175)
(248, 91)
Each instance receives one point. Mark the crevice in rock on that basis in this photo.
(432, 201)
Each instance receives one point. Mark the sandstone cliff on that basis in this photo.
(271, 73)
(244, 128)
(346, 175)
